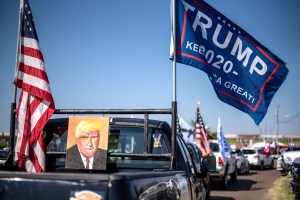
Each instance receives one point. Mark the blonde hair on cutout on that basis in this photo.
(87, 126)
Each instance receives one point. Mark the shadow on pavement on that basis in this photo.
(240, 185)
(249, 174)
(221, 198)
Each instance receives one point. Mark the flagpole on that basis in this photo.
(10, 160)
(174, 49)
(174, 103)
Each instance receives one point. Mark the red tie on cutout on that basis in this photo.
(87, 165)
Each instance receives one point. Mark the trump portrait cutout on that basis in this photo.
(87, 142)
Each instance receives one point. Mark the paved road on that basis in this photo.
(252, 186)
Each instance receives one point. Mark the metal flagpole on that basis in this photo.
(174, 49)
(174, 103)
(10, 159)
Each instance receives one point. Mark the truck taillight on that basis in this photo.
(221, 161)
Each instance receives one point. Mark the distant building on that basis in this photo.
(261, 136)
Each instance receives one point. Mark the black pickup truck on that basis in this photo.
(134, 169)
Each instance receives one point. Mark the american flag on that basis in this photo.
(201, 137)
(36, 104)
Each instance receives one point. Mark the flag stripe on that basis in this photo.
(38, 110)
(32, 57)
(37, 152)
(35, 91)
(29, 166)
(201, 136)
(41, 74)
(22, 134)
(203, 132)
(30, 42)
(34, 81)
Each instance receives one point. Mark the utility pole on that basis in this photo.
(276, 113)
(265, 131)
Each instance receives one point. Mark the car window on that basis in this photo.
(249, 151)
(260, 151)
(3, 154)
(131, 140)
(214, 147)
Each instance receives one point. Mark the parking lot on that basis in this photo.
(255, 185)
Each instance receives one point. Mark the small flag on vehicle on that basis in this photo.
(223, 145)
(201, 137)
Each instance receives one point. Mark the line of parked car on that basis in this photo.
(240, 162)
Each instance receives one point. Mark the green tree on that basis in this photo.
(3, 143)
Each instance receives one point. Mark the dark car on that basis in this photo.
(295, 182)
(3, 156)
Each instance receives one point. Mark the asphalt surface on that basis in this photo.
(252, 186)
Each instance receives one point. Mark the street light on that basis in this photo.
(277, 122)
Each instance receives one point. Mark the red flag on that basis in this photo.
(241, 144)
(267, 150)
(36, 104)
(201, 136)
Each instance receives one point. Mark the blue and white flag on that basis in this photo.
(244, 73)
(223, 145)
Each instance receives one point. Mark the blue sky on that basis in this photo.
(115, 54)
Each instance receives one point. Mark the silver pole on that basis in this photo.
(10, 160)
(174, 103)
(18, 50)
(174, 48)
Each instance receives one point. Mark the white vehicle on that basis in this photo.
(243, 166)
(257, 158)
(223, 169)
(286, 159)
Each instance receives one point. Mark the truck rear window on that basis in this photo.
(214, 147)
(123, 140)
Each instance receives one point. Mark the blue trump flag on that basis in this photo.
(223, 145)
(244, 73)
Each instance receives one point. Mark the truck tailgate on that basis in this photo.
(149, 185)
(21, 185)
(119, 185)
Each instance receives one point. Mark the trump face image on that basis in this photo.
(88, 137)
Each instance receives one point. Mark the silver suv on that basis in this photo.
(257, 158)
